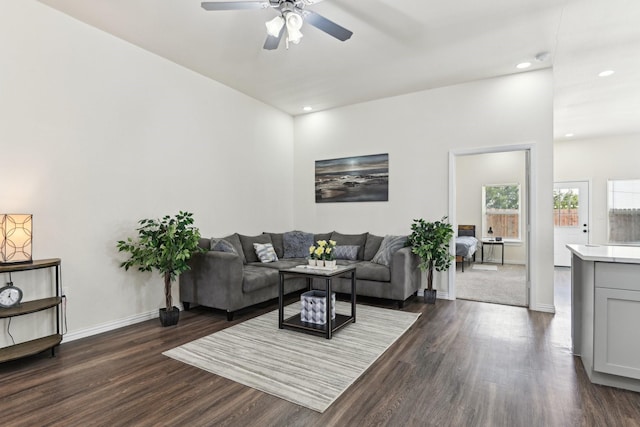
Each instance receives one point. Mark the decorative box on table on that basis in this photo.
(314, 307)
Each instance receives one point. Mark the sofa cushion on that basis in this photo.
(204, 243)
(322, 236)
(247, 245)
(222, 245)
(265, 252)
(234, 239)
(255, 277)
(351, 240)
(296, 244)
(389, 246)
(277, 242)
(349, 252)
(367, 270)
(371, 246)
(282, 264)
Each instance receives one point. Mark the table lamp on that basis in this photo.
(15, 238)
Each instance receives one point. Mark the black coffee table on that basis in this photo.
(332, 325)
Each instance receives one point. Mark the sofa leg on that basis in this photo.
(186, 305)
(229, 316)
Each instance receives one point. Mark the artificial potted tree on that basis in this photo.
(165, 245)
(430, 241)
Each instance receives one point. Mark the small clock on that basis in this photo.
(10, 296)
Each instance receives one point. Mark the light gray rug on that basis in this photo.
(485, 267)
(304, 369)
(502, 284)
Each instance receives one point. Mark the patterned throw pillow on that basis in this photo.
(390, 244)
(346, 252)
(351, 239)
(222, 245)
(265, 252)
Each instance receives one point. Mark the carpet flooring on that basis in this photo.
(308, 370)
(501, 284)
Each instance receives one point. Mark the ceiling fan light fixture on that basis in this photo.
(294, 23)
(274, 26)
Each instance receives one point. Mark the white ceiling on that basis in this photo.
(400, 46)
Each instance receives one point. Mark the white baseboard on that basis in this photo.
(109, 326)
(545, 308)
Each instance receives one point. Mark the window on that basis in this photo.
(501, 211)
(624, 211)
(565, 207)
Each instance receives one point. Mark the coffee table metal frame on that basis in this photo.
(332, 325)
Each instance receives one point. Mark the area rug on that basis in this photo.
(308, 370)
(485, 267)
(503, 284)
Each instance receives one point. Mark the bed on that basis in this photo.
(466, 244)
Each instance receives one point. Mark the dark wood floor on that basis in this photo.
(463, 363)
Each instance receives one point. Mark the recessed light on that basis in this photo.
(523, 65)
(307, 108)
(568, 135)
(606, 73)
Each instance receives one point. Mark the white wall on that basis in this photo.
(598, 160)
(418, 131)
(474, 171)
(96, 134)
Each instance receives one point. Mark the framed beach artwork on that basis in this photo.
(353, 179)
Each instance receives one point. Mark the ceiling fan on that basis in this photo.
(292, 15)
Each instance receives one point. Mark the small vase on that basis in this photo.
(331, 263)
(312, 262)
(320, 263)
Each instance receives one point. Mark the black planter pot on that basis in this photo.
(430, 296)
(169, 318)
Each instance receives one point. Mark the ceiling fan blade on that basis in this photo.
(234, 5)
(329, 27)
(272, 43)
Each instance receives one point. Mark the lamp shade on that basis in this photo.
(15, 238)
(294, 23)
(274, 26)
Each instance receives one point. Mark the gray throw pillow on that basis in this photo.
(349, 252)
(390, 244)
(222, 245)
(296, 244)
(234, 239)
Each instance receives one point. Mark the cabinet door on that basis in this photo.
(617, 335)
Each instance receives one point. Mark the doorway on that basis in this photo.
(483, 166)
(570, 219)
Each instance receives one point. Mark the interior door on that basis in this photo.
(570, 218)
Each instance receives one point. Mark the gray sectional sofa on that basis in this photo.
(230, 276)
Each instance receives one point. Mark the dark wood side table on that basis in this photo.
(41, 344)
(341, 320)
(492, 243)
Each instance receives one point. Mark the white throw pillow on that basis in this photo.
(265, 252)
